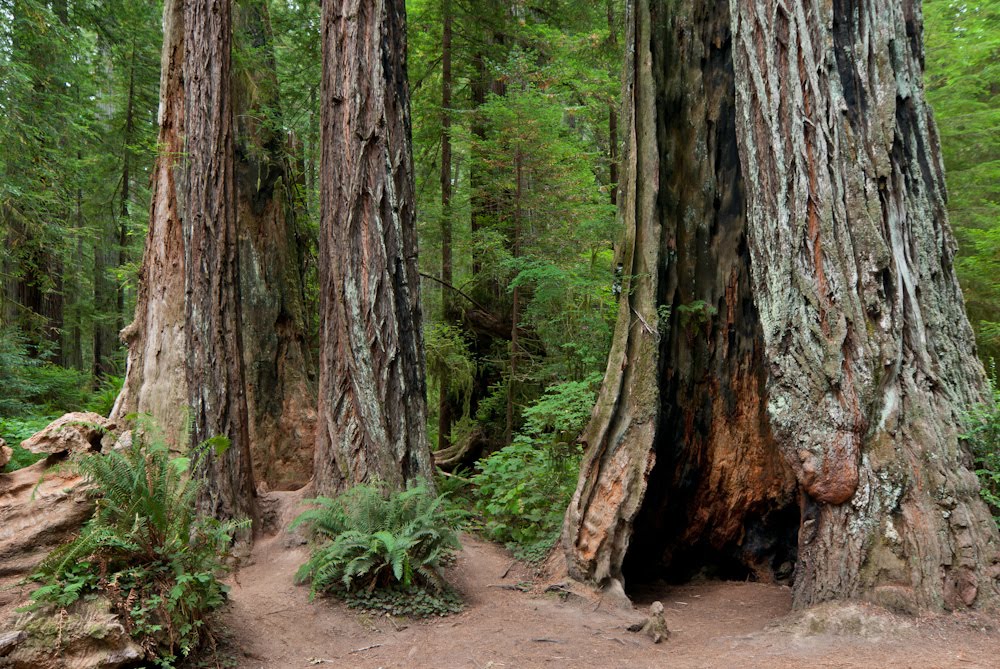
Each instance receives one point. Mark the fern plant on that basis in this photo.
(368, 540)
(145, 549)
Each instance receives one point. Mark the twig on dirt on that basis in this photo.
(361, 650)
(507, 570)
(546, 640)
(271, 613)
(520, 587)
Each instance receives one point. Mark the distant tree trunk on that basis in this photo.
(279, 369)
(126, 194)
(214, 342)
(372, 407)
(155, 380)
(792, 356)
(612, 114)
(446, 401)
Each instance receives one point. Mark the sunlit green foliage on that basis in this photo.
(523, 489)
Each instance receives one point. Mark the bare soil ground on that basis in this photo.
(271, 625)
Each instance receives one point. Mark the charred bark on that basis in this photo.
(792, 355)
(372, 405)
(278, 365)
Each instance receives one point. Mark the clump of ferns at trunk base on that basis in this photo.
(383, 550)
(146, 550)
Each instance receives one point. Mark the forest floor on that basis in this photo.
(270, 624)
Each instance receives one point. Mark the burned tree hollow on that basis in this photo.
(720, 500)
(791, 359)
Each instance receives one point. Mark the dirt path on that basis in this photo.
(271, 625)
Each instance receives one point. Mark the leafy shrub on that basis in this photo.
(145, 549)
(16, 430)
(523, 489)
(371, 541)
(102, 399)
(31, 383)
(983, 436)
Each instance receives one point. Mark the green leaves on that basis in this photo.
(372, 540)
(963, 86)
(523, 489)
(145, 549)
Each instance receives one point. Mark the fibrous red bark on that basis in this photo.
(155, 382)
(213, 336)
(792, 356)
(372, 406)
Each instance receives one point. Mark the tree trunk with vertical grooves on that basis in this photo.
(214, 364)
(155, 381)
(792, 355)
(372, 406)
(871, 355)
(279, 369)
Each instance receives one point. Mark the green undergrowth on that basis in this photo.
(522, 490)
(145, 550)
(16, 430)
(983, 437)
(383, 550)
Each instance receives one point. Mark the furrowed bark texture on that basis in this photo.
(619, 441)
(693, 364)
(792, 356)
(871, 355)
(720, 492)
(278, 366)
(155, 381)
(372, 406)
(216, 390)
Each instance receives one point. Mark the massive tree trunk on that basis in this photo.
(372, 407)
(791, 357)
(214, 342)
(279, 390)
(155, 381)
(280, 372)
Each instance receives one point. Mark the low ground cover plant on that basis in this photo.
(383, 550)
(145, 549)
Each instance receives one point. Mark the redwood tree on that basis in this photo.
(792, 358)
(213, 346)
(155, 381)
(372, 406)
(278, 372)
(278, 366)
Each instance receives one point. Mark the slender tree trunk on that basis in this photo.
(792, 357)
(155, 380)
(372, 407)
(515, 312)
(280, 373)
(613, 112)
(446, 401)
